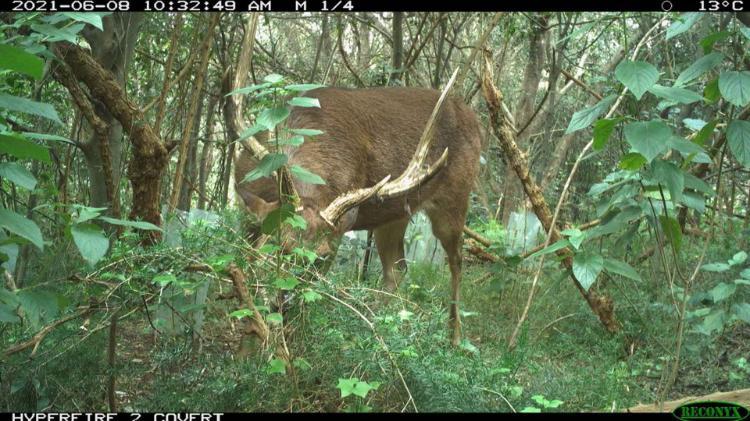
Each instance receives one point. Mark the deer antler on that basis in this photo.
(415, 174)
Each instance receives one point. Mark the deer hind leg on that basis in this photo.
(389, 239)
(447, 225)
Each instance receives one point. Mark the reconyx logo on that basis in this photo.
(711, 410)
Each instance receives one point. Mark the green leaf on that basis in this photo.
(305, 175)
(649, 138)
(621, 268)
(672, 230)
(711, 91)
(701, 66)
(745, 31)
(632, 161)
(18, 60)
(575, 236)
(270, 163)
(91, 242)
(141, 225)
(694, 201)
(18, 175)
(26, 106)
(54, 34)
(560, 244)
(273, 78)
(602, 130)
(243, 312)
(276, 366)
(303, 87)
(682, 24)
(346, 386)
(22, 148)
(275, 318)
(164, 279)
(695, 183)
(307, 132)
(745, 273)
(362, 388)
(712, 322)
(304, 102)
(271, 117)
(670, 176)
(22, 227)
(735, 87)
(286, 283)
(311, 296)
(530, 409)
(708, 42)
(308, 255)
(46, 136)
(586, 267)
(302, 364)
(722, 291)
(715, 267)
(638, 76)
(742, 311)
(93, 19)
(680, 95)
(738, 136)
(690, 151)
(273, 220)
(705, 132)
(292, 141)
(583, 118)
(738, 258)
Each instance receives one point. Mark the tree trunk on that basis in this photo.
(113, 49)
(524, 110)
(206, 160)
(149, 154)
(397, 47)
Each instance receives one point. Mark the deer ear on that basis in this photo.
(257, 206)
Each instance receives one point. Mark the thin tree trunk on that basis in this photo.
(191, 119)
(397, 47)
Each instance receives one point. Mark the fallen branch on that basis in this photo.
(37, 339)
(257, 325)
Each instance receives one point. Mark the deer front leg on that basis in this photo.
(389, 239)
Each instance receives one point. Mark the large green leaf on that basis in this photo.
(742, 311)
(583, 118)
(602, 130)
(271, 117)
(93, 19)
(683, 23)
(738, 136)
(273, 220)
(649, 138)
(302, 101)
(638, 76)
(304, 87)
(54, 34)
(735, 87)
(141, 225)
(670, 176)
(705, 132)
(18, 60)
(722, 291)
(621, 268)
(586, 267)
(21, 148)
(672, 231)
(22, 227)
(689, 150)
(306, 176)
(18, 175)
(91, 242)
(708, 42)
(270, 163)
(680, 95)
(27, 106)
(695, 70)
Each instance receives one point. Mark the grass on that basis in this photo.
(563, 353)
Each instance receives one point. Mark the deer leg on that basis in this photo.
(448, 229)
(389, 239)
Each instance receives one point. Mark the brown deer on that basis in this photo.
(371, 154)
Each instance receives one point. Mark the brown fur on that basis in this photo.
(368, 134)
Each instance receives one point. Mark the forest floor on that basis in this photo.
(563, 354)
(564, 361)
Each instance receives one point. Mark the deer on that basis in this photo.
(385, 154)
